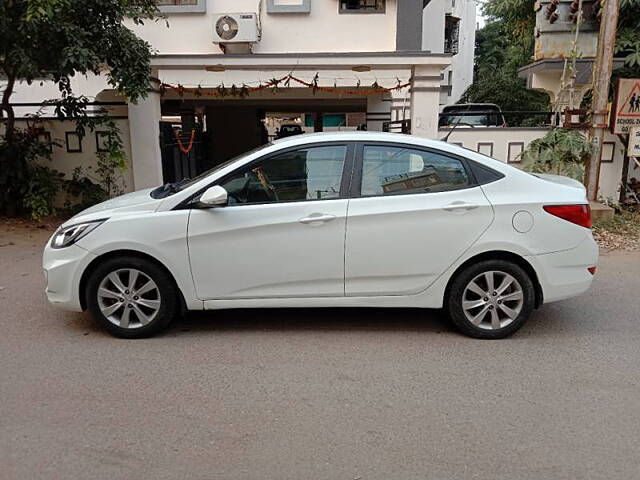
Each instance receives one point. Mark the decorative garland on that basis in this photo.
(182, 148)
(276, 83)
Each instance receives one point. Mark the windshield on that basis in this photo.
(472, 118)
(170, 188)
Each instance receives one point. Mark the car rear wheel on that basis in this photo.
(131, 297)
(491, 299)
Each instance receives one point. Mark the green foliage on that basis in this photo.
(506, 43)
(42, 188)
(54, 40)
(560, 152)
(34, 188)
(628, 36)
(502, 46)
(16, 180)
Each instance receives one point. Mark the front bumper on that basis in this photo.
(565, 274)
(63, 268)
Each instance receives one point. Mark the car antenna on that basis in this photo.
(456, 125)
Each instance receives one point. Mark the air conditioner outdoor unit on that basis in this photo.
(235, 28)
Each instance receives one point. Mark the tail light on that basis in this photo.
(578, 214)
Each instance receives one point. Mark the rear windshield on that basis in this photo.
(475, 117)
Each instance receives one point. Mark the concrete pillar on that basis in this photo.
(378, 112)
(318, 125)
(144, 127)
(425, 102)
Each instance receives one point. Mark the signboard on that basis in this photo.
(634, 142)
(626, 112)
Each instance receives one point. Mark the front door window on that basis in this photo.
(313, 173)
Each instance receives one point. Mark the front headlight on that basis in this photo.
(69, 235)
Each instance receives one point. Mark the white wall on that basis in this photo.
(90, 85)
(462, 63)
(322, 30)
(500, 138)
(433, 25)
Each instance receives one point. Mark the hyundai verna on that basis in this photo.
(331, 220)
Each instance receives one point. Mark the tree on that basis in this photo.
(57, 39)
(628, 37)
(506, 43)
(498, 56)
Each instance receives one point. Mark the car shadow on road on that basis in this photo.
(338, 319)
(550, 321)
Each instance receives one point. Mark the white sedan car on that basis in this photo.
(331, 220)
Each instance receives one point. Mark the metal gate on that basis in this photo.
(182, 152)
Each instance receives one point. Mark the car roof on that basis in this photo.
(401, 139)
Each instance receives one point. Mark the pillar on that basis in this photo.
(318, 125)
(144, 127)
(425, 102)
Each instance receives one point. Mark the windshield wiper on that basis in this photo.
(168, 188)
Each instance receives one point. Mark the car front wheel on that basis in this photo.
(491, 299)
(131, 297)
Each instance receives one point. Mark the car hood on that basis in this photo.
(140, 201)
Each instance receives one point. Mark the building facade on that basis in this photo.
(338, 64)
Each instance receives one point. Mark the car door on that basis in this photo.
(414, 212)
(282, 232)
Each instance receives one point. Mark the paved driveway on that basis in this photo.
(322, 394)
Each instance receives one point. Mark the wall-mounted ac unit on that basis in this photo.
(235, 28)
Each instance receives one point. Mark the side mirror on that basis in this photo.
(215, 196)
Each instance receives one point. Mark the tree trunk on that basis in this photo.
(6, 106)
(11, 165)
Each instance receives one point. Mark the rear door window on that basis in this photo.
(388, 170)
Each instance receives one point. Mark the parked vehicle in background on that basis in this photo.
(289, 131)
(351, 219)
(473, 115)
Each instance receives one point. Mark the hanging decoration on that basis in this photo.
(276, 83)
(181, 146)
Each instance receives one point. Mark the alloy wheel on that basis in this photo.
(128, 298)
(492, 300)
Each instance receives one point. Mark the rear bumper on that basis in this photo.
(63, 269)
(565, 274)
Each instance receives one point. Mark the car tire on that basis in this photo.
(131, 297)
(490, 299)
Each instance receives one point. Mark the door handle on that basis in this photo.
(459, 207)
(317, 218)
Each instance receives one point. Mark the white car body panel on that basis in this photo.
(161, 235)
(238, 251)
(391, 241)
(368, 255)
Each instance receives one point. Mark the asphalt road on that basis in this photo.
(321, 394)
